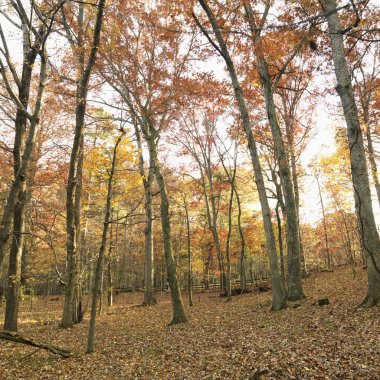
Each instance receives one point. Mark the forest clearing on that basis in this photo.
(222, 340)
(189, 189)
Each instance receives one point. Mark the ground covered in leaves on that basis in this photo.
(223, 340)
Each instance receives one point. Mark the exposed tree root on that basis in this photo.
(369, 301)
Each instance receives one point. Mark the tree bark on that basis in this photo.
(368, 231)
(149, 297)
(328, 255)
(278, 294)
(189, 263)
(100, 262)
(179, 315)
(71, 313)
(22, 157)
(23, 146)
(279, 228)
(19, 339)
(295, 291)
(371, 155)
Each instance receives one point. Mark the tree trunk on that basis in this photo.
(371, 156)
(189, 264)
(228, 240)
(22, 150)
(278, 294)
(295, 291)
(207, 262)
(149, 298)
(179, 315)
(14, 270)
(212, 216)
(100, 262)
(289, 124)
(243, 279)
(328, 255)
(279, 228)
(22, 157)
(359, 172)
(72, 303)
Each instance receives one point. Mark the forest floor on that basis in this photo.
(223, 340)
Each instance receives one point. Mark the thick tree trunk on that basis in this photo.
(71, 313)
(278, 294)
(179, 315)
(359, 172)
(14, 270)
(22, 157)
(295, 291)
(282, 261)
(22, 150)
(149, 297)
(289, 123)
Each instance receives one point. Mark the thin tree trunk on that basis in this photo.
(359, 172)
(231, 179)
(243, 279)
(282, 260)
(100, 262)
(110, 284)
(228, 241)
(328, 255)
(189, 263)
(371, 156)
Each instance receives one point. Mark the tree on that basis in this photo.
(278, 294)
(147, 72)
(34, 34)
(72, 312)
(100, 262)
(360, 180)
(149, 298)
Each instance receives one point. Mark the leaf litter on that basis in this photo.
(241, 339)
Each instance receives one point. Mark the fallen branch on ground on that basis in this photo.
(13, 337)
